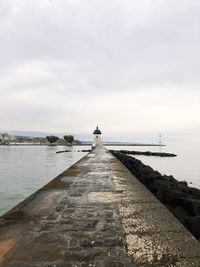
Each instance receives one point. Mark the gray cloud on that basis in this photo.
(132, 66)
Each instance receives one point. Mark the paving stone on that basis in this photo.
(72, 264)
(83, 254)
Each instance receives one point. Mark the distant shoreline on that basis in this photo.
(88, 144)
(131, 144)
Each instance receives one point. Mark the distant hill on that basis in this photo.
(32, 133)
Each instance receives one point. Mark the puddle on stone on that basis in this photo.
(90, 155)
(102, 197)
(44, 202)
(68, 178)
(102, 174)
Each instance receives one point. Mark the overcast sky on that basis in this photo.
(131, 66)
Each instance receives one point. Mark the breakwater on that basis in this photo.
(146, 153)
(96, 214)
(182, 200)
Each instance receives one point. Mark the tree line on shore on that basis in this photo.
(69, 139)
(51, 139)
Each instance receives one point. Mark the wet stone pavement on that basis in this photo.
(95, 214)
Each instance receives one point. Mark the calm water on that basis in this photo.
(25, 169)
(186, 166)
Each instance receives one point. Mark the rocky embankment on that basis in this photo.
(63, 151)
(147, 153)
(182, 200)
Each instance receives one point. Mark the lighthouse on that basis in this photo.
(97, 137)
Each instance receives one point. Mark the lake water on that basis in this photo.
(24, 169)
(186, 166)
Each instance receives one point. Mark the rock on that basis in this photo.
(146, 153)
(181, 215)
(184, 183)
(194, 226)
(191, 205)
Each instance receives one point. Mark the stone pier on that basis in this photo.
(95, 214)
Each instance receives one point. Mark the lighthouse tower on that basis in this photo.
(97, 137)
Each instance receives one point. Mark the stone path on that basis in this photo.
(95, 214)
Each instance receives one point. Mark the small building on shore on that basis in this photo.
(5, 138)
